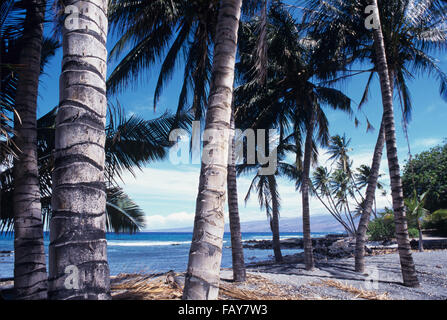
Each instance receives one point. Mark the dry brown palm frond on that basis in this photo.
(167, 287)
(358, 293)
(257, 288)
(144, 287)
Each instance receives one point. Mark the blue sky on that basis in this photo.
(167, 193)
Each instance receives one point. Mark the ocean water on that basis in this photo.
(153, 252)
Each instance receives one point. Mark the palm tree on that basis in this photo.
(411, 30)
(338, 150)
(30, 277)
(362, 177)
(9, 66)
(237, 250)
(367, 204)
(415, 213)
(288, 95)
(407, 263)
(267, 189)
(305, 183)
(78, 221)
(329, 187)
(347, 184)
(203, 273)
(417, 30)
(170, 30)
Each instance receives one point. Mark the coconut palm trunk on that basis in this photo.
(203, 273)
(407, 264)
(237, 251)
(307, 239)
(78, 258)
(368, 203)
(370, 196)
(30, 275)
(274, 222)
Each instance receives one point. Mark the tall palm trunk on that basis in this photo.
(407, 264)
(274, 223)
(30, 275)
(307, 239)
(203, 273)
(237, 251)
(368, 203)
(370, 197)
(78, 258)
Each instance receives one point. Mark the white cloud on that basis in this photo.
(427, 142)
(167, 194)
(173, 220)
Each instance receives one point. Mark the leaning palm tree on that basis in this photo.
(78, 221)
(415, 29)
(419, 29)
(411, 29)
(290, 97)
(408, 268)
(203, 273)
(30, 277)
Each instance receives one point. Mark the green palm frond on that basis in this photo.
(49, 48)
(140, 58)
(131, 142)
(123, 214)
(171, 31)
(412, 30)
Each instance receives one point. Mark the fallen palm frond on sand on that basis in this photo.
(145, 287)
(358, 293)
(257, 288)
(168, 287)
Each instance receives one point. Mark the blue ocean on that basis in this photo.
(152, 252)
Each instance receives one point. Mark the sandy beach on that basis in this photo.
(330, 280)
(335, 279)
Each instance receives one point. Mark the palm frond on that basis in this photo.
(123, 214)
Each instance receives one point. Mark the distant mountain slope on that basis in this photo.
(319, 223)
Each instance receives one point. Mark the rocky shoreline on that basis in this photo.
(331, 246)
(340, 246)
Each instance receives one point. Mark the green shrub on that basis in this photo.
(413, 233)
(438, 221)
(428, 171)
(382, 228)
